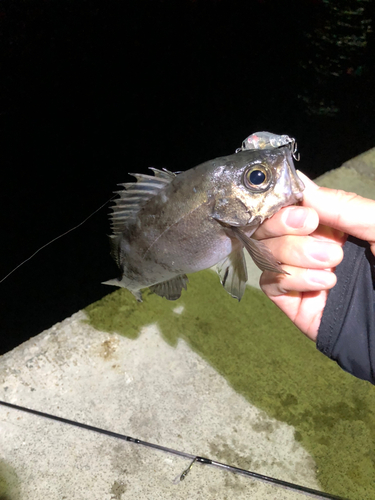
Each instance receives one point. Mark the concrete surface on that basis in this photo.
(159, 391)
(145, 389)
(356, 175)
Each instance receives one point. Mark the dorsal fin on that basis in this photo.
(164, 174)
(135, 195)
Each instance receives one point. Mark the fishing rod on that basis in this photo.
(194, 458)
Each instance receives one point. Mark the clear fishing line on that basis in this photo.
(57, 238)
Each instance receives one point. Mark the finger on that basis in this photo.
(305, 309)
(298, 280)
(289, 220)
(305, 251)
(328, 233)
(341, 210)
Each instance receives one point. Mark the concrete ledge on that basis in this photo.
(356, 175)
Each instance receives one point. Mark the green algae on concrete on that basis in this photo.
(266, 359)
(9, 485)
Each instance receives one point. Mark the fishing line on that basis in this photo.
(57, 238)
(195, 459)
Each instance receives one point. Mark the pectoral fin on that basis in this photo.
(233, 273)
(172, 288)
(258, 251)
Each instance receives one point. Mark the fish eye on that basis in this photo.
(258, 177)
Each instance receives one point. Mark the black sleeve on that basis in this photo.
(347, 330)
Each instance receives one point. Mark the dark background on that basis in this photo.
(92, 90)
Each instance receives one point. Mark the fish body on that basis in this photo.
(167, 225)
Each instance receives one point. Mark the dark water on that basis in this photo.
(93, 90)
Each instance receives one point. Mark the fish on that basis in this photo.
(167, 225)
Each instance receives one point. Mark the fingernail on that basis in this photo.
(324, 252)
(325, 278)
(296, 217)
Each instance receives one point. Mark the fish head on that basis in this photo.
(251, 186)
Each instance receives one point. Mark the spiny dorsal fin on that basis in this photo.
(135, 195)
(165, 174)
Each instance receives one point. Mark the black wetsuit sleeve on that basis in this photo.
(347, 330)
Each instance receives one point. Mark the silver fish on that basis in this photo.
(168, 224)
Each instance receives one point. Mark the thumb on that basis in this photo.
(347, 212)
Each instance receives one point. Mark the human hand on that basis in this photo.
(311, 247)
